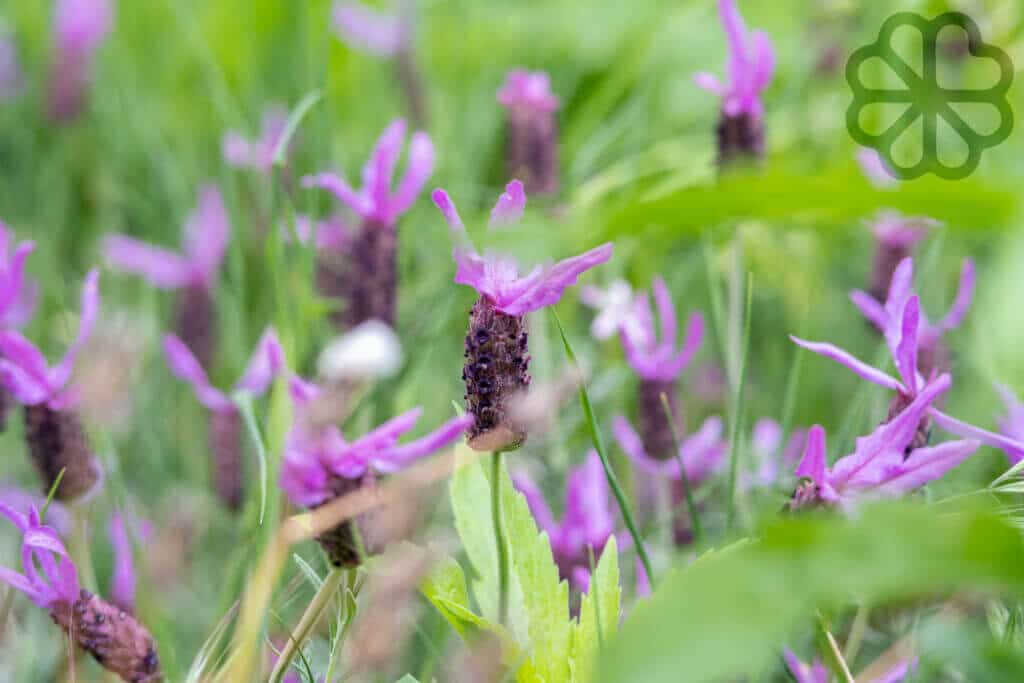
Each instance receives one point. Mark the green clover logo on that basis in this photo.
(925, 98)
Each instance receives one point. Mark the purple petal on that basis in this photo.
(900, 289)
(814, 465)
(79, 26)
(964, 296)
(388, 433)
(266, 362)
(366, 29)
(510, 205)
(337, 186)
(766, 438)
(381, 165)
(185, 367)
(1013, 448)
(161, 267)
(527, 89)
(237, 150)
(874, 168)
(906, 350)
(399, 457)
(12, 275)
(61, 374)
(206, 235)
(736, 37)
(18, 519)
(122, 584)
(666, 313)
(870, 309)
(418, 170)
(860, 368)
(23, 369)
(535, 500)
(303, 479)
(555, 280)
(897, 673)
(302, 391)
(631, 444)
(19, 582)
(710, 82)
(764, 61)
(694, 338)
(924, 465)
(588, 512)
(701, 453)
(804, 673)
(443, 202)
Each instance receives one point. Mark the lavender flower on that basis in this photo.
(702, 454)
(1012, 425)
(367, 278)
(225, 426)
(497, 355)
(257, 154)
(17, 295)
(114, 638)
(751, 66)
(911, 382)
(659, 365)
(192, 273)
(531, 150)
(57, 515)
(883, 463)
(932, 354)
(79, 28)
(895, 237)
(11, 79)
(122, 585)
(53, 431)
(586, 525)
(817, 673)
(319, 465)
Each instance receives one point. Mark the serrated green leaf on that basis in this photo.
(599, 614)
(444, 586)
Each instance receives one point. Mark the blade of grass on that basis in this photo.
(595, 438)
(737, 407)
(52, 492)
(306, 623)
(292, 124)
(244, 403)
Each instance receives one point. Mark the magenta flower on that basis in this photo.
(79, 28)
(17, 295)
(122, 584)
(206, 239)
(496, 277)
(24, 370)
(57, 515)
(887, 317)
(367, 29)
(586, 525)
(649, 358)
(375, 202)
(702, 453)
(531, 150)
(41, 548)
(11, 78)
(1012, 425)
(258, 154)
(882, 463)
(528, 89)
(817, 673)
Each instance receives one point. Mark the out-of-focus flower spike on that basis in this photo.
(531, 150)
(79, 28)
(366, 29)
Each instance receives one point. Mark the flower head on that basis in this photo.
(882, 463)
(751, 66)
(17, 295)
(315, 455)
(375, 202)
(264, 365)
(529, 90)
(651, 359)
(586, 525)
(41, 548)
(24, 370)
(257, 154)
(614, 306)
(702, 453)
(206, 239)
(122, 585)
(363, 28)
(496, 277)
(80, 26)
(904, 348)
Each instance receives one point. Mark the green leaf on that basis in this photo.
(445, 586)
(756, 595)
(407, 678)
(599, 615)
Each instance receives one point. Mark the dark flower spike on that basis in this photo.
(586, 525)
(497, 353)
(532, 131)
(366, 277)
(750, 69)
(53, 432)
(319, 465)
(113, 637)
(880, 464)
(79, 29)
(193, 272)
(225, 426)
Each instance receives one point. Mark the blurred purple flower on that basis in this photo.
(904, 350)
(883, 463)
(529, 89)
(531, 150)
(79, 28)
(586, 525)
(702, 452)
(496, 277)
(58, 583)
(875, 169)
(817, 673)
(765, 444)
(331, 233)
(57, 515)
(206, 238)
(264, 365)
(649, 358)
(887, 317)
(614, 306)
(375, 202)
(258, 154)
(122, 584)
(1012, 425)
(895, 237)
(11, 79)
(24, 370)
(363, 28)
(17, 294)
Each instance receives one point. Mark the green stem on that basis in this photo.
(499, 538)
(691, 506)
(737, 409)
(306, 623)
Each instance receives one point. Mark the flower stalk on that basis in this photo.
(500, 542)
(307, 622)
